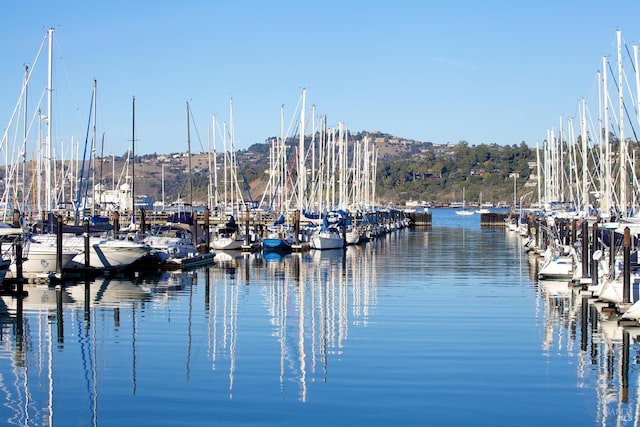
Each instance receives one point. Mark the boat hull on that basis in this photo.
(327, 241)
(276, 244)
(104, 254)
(40, 260)
(113, 254)
(227, 243)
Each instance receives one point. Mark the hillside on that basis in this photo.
(407, 170)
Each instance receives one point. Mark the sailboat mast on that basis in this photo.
(233, 198)
(133, 160)
(607, 175)
(24, 140)
(585, 164)
(301, 149)
(210, 186)
(189, 157)
(94, 136)
(623, 144)
(49, 117)
(215, 164)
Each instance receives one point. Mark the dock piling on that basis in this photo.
(626, 284)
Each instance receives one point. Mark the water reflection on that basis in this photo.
(583, 328)
(261, 330)
(310, 298)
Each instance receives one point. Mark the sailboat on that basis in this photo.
(480, 209)
(464, 210)
(229, 236)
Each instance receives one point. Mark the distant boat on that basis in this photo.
(464, 210)
(482, 210)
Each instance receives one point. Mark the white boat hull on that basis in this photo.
(327, 241)
(38, 259)
(113, 254)
(227, 243)
(103, 253)
(612, 290)
(353, 236)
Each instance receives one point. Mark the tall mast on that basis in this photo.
(133, 160)
(623, 144)
(282, 160)
(637, 76)
(24, 141)
(162, 185)
(301, 149)
(210, 185)
(47, 150)
(585, 165)
(233, 198)
(539, 175)
(94, 136)
(189, 157)
(215, 164)
(607, 163)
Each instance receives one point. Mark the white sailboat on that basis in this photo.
(229, 236)
(329, 235)
(464, 210)
(480, 209)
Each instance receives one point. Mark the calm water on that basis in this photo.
(446, 326)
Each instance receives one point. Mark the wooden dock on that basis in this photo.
(419, 219)
(493, 219)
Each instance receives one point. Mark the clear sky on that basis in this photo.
(482, 71)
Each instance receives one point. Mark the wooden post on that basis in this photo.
(116, 224)
(343, 229)
(585, 248)
(16, 218)
(296, 225)
(143, 222)
(85, 234)
(19, 274)
(626, 286)
(59, 245)
(612, 250)
(207, 234)
(194, 226)
(247, 236)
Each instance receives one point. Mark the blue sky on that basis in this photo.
(485, 72)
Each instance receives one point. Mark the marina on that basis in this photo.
(405, 329)
(324, 277)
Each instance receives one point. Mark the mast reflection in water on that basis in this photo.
(444, 326)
